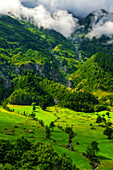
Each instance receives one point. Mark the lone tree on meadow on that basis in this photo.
(99, 119)
(52, 124)
(34, 105)
(91, 152)
(108, 114)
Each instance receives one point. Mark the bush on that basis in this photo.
(100, 107)
(99, 119)
(108, 132)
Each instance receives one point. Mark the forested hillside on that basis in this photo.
(88, 40)
(30, 88)
(95, 73)
(25, 44)
(24, 48)
(27, 53)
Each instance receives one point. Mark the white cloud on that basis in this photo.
(78, 7)
(98, 30)
(9, 6)
(52, 14)
(59, 20)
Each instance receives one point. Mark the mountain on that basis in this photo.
(96, 17)
(92, 34)
(95, 73)
(26, 48)
(68, 85)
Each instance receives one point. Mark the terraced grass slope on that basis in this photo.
(85, 133)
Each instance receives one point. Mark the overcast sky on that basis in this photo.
(78, 7)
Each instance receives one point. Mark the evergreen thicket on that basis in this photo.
(25, 155)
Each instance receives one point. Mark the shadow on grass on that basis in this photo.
(48, 110)
(103, 157)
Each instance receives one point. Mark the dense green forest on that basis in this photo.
(95, 73)
(24, 155)
(25, 47)
(30, 88)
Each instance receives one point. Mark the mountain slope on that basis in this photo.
(91, 34)
(95, 73)
(36, 49)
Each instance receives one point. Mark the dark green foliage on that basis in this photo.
(24, 155)
(71, 133)
(91, 152)
(4, 104)
(49, 55)
(24, 47)
(108, 132)
(68, 129)
(92, 149)
(7, 167)
(94, 74)
(33, 115)
(45, 101)
(103, 115)
(5, 147)
(79, 101)
(99, 119)
(22, 144)
(108, 114)
(52, 124)
(100, 107)
(108, 123)
(20, 97)
(47, 132)
(41, 122)
(30, 88)
(105, 61)
(33, 104)
(89, 47)
(5, 88)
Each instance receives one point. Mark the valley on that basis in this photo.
(56, 95)
(19, 125)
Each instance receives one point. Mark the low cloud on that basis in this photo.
(78, 7)
(99, 30)
(59, 20)
(7, 6)
(52, 14)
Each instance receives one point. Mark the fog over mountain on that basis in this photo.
(55, 14)
(78, 7)
(59, 20)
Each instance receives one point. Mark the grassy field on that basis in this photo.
(13, 126)
(59, 139)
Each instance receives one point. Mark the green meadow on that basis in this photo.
(15, 124)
